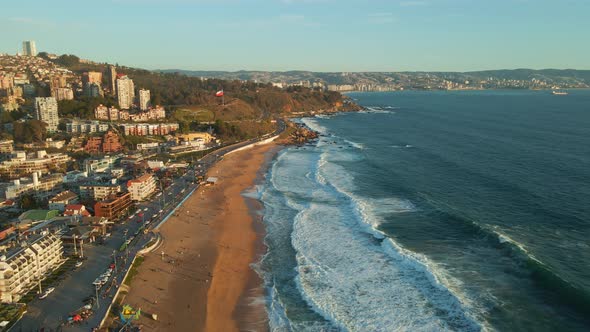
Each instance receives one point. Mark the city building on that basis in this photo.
(40, 161)
(93, 90)
(91, 77)
(144, 99)
(63, 93)
(98, 165)
(76, 210)
(204, 136)
(109, 143)
(114, 207)
(125, 92)
(57, 81)
(112, 78)
(145, 129)
(93, 145)
(42, 188)
(81, 127)
(25, 262)
(98, 191)
(29, 48)
(6, 146)
(61, 200)
(46, 111)
(141, 187)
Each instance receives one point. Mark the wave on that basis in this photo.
(378, 110)
(346, 270)
(544, 276)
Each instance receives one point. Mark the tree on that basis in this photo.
(30, 131)
(28, 202)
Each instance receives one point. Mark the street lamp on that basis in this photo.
(75, 247)
(97, 301)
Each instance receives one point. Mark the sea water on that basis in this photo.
(434, 211)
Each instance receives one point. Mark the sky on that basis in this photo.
(315, 35)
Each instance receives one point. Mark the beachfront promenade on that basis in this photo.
(52, 312)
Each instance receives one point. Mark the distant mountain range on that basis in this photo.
(521, 78)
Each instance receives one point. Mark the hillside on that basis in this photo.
(565, 77)
(243, 100)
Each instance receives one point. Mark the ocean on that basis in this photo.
(434, 211)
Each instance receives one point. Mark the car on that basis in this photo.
(97, 282)
(155, 215)
(145, 209)
(49, 290)
(128, 241)
(107, 235)
(160, 211)
(79, 263)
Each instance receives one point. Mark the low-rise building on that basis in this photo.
(142, 187)
(21, 164)
(76, 210)
(98, 165)
(61, 200)
(24, 264)
(98, 191)
(149, 129)
(81, 127)
(6, 146)
(114, 207)
(42, 188)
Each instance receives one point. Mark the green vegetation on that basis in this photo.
(244, 100)
(29, 131)
(133, 270)
(195, 113)
(83, 107)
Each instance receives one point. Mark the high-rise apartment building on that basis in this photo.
(23, 266)
(144, 99)
(92, 77)
(125, 92)
(46, 111)
(112, 77)
(63, 93)
(29, 48)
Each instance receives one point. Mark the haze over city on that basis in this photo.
(316, 35)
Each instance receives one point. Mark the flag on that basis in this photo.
(219, 93)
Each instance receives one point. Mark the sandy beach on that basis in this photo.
(203, 281)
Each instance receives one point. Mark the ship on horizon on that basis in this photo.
(559, 93)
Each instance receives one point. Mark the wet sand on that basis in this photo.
(204, 281)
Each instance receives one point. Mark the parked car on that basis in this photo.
(79, 263)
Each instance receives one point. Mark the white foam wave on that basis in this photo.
(377, 110)
(355, 282)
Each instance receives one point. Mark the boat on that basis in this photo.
(559, 93)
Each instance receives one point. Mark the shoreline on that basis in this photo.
(205, 281)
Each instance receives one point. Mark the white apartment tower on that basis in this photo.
(29, 48)
(46, 111)
(125, 92)
(144, 99)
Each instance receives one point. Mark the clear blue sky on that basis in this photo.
(318, 35)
